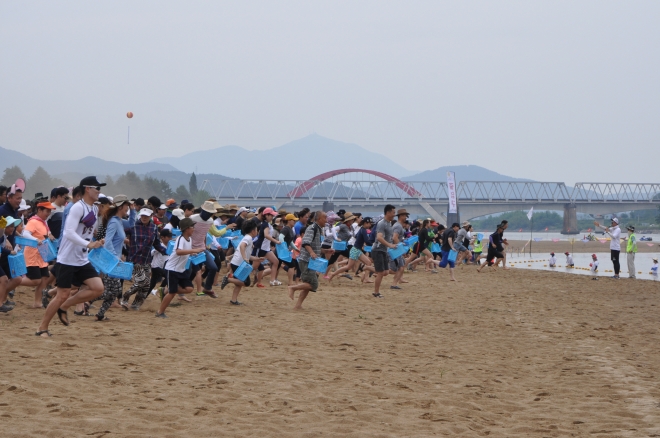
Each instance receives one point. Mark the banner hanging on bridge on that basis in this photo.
(451, 189)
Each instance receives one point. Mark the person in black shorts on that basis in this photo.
(495, 248)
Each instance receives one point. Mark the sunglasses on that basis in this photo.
(95, 187)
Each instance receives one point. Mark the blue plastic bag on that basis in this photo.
(123, 270)
(318, 264)
(17, 264)
(47, 251)
(410, 241)
(242, 272)
(170, 247)
(338, 246)
(283, 252)
(24, 241)
(397, 252)
(103, 260)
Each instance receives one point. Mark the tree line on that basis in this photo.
(129, 184)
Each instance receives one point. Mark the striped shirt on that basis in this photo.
(312, 238)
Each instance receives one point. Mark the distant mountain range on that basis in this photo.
(299, 159)
(85, 165)
(463, 173)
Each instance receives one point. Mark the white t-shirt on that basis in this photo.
(654, 270)
(594, 266)
(265, 244)
(615, 243)
(552, 261)
(76, 235)
(238, 258)
(354, 230)
(569, 260)
(158, 260)
(58, 209)
(176, 262)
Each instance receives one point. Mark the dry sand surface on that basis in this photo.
(500, 354)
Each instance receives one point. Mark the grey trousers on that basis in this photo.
(631, 265)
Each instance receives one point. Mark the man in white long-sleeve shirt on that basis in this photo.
(615, 243)
(73, 267)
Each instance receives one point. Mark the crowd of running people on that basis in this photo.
(160, 241)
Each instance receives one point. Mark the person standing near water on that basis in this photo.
(631, 249)
(615, 244)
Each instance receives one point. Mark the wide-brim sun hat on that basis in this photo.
(178, 213)
(186, 223)
(12, 221)
(209, 207)
(119, 200)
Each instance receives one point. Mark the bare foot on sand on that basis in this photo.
(291, 291)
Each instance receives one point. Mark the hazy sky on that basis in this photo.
(554, 91)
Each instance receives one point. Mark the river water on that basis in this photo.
(538, 261)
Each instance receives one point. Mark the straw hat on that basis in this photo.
(209, 207)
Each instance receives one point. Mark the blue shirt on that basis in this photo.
(115, 232)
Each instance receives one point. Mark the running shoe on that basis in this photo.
(225, 282)
(161, 315)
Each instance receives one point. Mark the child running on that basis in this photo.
(594, 267)
(178, 277)
(242, 254)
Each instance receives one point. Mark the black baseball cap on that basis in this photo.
(165, 233)
(91, 181)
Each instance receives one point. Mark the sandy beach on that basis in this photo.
(499, 354)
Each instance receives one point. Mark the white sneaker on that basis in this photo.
(154, 292)
(275, 283)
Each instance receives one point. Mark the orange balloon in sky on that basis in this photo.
(129, 115)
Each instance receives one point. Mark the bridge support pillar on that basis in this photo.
(570, 219)
(438, 217)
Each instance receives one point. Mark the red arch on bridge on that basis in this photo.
(304, 187)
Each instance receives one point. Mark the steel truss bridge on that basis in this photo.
(475, 198)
